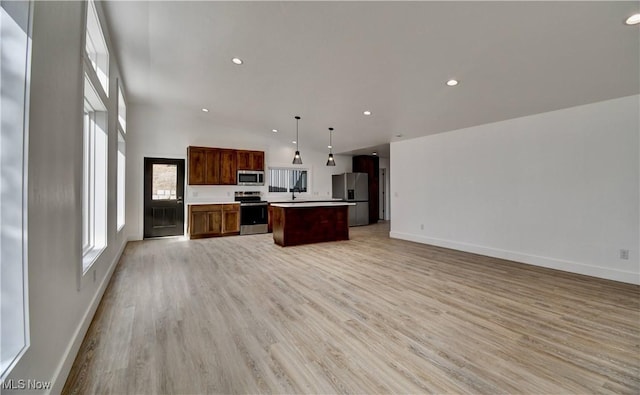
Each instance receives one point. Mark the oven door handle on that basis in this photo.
(253, 204)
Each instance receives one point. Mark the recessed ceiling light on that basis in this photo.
(205, 110)
(633, 19)
(452, 82)
(237, 60)
(274, 130)
(293, 141)
(374, 153)
(367, 112)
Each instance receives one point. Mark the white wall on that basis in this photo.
(153, 133)
(559, 189)
(60, 312)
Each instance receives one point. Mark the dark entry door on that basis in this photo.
(163, 197)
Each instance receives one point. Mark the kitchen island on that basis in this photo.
(310, 222)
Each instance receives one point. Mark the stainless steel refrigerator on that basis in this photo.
(353, 187)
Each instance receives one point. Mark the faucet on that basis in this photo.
(293, 193)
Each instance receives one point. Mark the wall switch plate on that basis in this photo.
(94, 276)
(624, 254)
(421, 226)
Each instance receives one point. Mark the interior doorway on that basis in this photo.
(163, 197)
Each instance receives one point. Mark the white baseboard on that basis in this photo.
(62, 372)
(551, 263)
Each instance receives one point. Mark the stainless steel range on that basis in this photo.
(253, 212)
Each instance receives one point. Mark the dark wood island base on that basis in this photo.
(295, 224)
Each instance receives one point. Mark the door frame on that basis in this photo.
(383, 193)
(180, 190)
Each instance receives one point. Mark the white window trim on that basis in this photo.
(97, 43)
(122, 110)
(93, 247)
(24, 197)
(121, 184)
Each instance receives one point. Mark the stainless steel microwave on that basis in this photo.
(250, 177)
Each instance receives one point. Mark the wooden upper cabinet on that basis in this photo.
(219, 166)
(228, 167)
(250, 160)
(197, 165)
(244, 160)
(257, 160)
(212, 171)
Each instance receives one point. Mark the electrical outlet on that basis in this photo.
(194, 193)
(94, 276)
(624, 254)
(421, 226)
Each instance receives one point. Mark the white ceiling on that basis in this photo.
(330, 61)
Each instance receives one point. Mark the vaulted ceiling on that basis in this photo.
(330, 61)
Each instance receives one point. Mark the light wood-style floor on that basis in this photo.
(240, 315)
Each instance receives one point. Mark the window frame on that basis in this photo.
(121, 160)
(95, 167)
(121, 172)
(289, 169)
(95, 49)
(19, 194)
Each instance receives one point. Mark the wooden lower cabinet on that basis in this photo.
(231, 219)
(210, 220)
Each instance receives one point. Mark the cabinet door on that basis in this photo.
(231, 222)
(212, 169)
(198, 223)
(197, 165)
(214, 222)
(257, 160)
(228, 167)
(243, 160)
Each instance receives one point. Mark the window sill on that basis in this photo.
(90, 258)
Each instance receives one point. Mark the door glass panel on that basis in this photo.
(164, 182)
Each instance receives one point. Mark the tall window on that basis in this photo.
(94, 186)
(95, 141)
(96, 47)
(122, 130)
(288, 180)
(15, 19)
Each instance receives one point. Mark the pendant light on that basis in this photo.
(330, 161)
(297, 160)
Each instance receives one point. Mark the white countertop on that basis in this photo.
(305, 200)
(204, 203)
(312, 204)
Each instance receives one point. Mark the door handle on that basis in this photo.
(179, 200)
